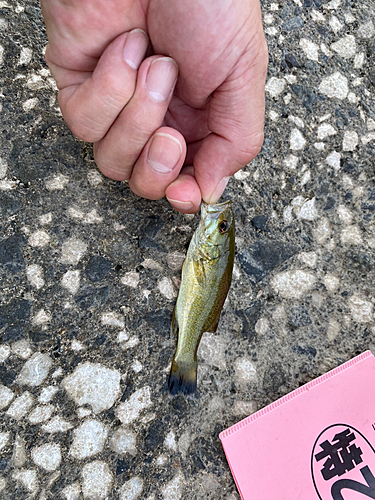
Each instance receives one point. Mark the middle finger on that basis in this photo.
(118, 151)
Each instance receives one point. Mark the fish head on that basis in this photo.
(217, 223)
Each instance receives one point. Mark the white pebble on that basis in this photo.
(96, 480)
(175, 260)
(351, 235)
(92, 217)
(46, 218)
(345, 47)
(325, 50)
(325, 130)
(365, 139)
(320, 146)
(132, 489)
(77, 346)
(291, 161)
(4, 352)
(297, 141)
(297, 121)
(41, 414)
(75, 213)
(287, 98)
(333, 329)
(333, 160)
(344, 214)
(275, 86)
(41, 318)
(93, 384)
(212, 350)
(4, 438)
(137, 366)
(353, 98)
(245, 370)
(308, 211)
(130, 279)
(94, 178)
(71, 492)
(6, 396)
(19, 452)
(25, 55)
(88, 439)
(273, 115)
(130, 410)
(306, 178)
(39, 239)
(360, 309)
(47, 456)
(317, 16)
(30, 104)
(308, 258)
(83, 412)
(57, 183)
(174, 489)
(244, 408)
(359, 60)
(48, 393)
(262, 326)
(113, 319)
(366, 30)
(72, 251)
(34, 274)
(132, 342)
(335, 85)
(350, 140)
(71, 281)
(331, 282)
(332, 5)
(123, 441)
(35, 82)
(3, 168)
(293, 284)
(271, 30)
(28, 479)
(370, 125)
(323, 230)
(35, 370)
(21, 406)
(56, 424)
(166, 288)
(310, 49)
(335, 24)
(170, 441)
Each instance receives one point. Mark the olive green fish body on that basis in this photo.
(206, 278)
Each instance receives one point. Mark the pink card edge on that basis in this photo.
(291, 395)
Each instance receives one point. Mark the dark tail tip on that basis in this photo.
(183, 377)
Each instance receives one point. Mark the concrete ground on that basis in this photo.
(89, 273)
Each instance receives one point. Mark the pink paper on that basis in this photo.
(318, 442)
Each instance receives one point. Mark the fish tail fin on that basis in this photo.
(183, 377)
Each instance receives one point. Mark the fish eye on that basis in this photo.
(223, 226)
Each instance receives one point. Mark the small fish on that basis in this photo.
(206, 278)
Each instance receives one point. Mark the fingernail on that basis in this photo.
(164, 152)
(135, 48)
(218, 191)
(161, 78)
(180, 205)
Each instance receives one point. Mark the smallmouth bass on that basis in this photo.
(205, 281)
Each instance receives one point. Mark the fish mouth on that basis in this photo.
(214, 210)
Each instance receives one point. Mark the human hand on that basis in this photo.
(183, 138)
